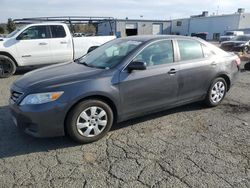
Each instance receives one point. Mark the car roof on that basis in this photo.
(145, 38)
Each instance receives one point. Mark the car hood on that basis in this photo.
(60, 74)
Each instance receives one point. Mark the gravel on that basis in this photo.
(189, 146)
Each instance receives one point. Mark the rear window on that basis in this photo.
(207, 51)
(57, 31)
(190, 49)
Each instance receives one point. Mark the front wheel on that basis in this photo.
(216, 92)
(7, 67)
(89, 121)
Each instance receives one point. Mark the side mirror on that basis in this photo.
(137, 65)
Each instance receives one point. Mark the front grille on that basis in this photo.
(15, 96)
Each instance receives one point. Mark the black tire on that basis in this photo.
(73, 117)
(7, 66)
(247, 66)
(209, 100)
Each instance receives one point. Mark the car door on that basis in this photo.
(196, 69)
(153, 88)
(33, 46)
(61, 45)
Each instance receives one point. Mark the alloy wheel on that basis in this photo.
(218, 92)
(92, 121)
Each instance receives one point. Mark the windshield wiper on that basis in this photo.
(87, 65)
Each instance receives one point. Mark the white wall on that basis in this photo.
(144, 27)
(244, 21)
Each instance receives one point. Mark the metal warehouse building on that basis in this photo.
(211, 27)
(126, 27)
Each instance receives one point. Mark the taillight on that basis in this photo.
(237, 61)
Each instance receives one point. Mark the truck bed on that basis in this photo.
(82, 44)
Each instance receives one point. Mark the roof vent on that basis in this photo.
(204, 13)
(241, 10)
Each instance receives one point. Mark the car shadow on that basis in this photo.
(185, 108)
(14, 142)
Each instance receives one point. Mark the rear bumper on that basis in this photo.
(46, 120)
(234, 76)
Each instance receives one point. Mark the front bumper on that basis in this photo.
(44, 120)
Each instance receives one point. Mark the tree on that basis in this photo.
(11, 25)
(1, 29)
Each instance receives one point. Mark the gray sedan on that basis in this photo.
(122, 79)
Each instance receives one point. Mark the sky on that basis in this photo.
(133, 9)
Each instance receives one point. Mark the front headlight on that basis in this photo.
(40, 98)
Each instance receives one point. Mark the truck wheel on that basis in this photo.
(216, 92)
(7, 66)
(89, 121)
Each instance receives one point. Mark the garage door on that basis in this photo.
(157, 29)
(131, 26)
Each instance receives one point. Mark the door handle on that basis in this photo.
(172, 71)
(213, 63)
(63, 42)
(26, 56)
(43, 43)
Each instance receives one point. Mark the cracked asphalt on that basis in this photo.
(190, 146)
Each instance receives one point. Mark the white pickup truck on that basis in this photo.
(43, 43)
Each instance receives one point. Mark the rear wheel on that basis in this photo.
(89, 121)
(7, 66)
(216, 92)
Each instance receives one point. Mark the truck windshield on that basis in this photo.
(109, 54)
(14, 32)
(229, 33)
(241, 38)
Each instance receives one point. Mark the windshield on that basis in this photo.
(109, 54)
(14, 32)
(241, 38)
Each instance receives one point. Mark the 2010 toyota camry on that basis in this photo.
(122, 79)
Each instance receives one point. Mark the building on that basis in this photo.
(126, 27)
(204, 26)
(211, 27)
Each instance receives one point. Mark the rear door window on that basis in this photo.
(190, 49)
(57, 31)
(207, 51)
